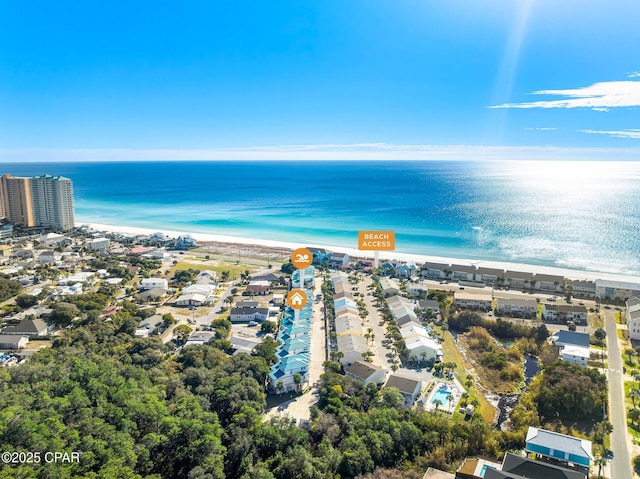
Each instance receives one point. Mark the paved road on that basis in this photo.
(621, 463)
(374, 320)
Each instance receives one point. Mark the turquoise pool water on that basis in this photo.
(484, 469)
(442, 395)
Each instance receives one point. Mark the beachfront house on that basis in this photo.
(583, 289)
(489, 276)
(616, 290)
(549, 283)
(406, 270)
(320, 255)
(408, 387)
(434, 271)
(464, 300)
(518, 279)
(633, 318)
(185, 242)
(339, 260)
(516, 307)
(460, 272)
(366, 372)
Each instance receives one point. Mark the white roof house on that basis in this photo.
(150, 283)
(191, 299)
(633, 318)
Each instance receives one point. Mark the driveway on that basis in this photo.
(621, 463)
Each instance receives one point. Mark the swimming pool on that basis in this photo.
(442, 395)
(484, 469)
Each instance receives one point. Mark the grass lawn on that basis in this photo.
(218, 266)
(451, 354)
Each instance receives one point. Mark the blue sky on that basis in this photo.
(143, 79)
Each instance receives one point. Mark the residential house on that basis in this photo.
(573, 347)
(417, 290)
(620, 290)
(13, 341)
(150, 283)
(185, 242)
(584, 289)
(402, 310)
(348, 324)
(633, 318)
(247, 304)
(259, 288)
(277, 299)
(549, 283)
(199, 338)
(460, 272)
(490, 276)
(565, 313)
(243, 345)
(366, 372)
(196, 295)
(352, 346)
(389, 287)
(518, 467)
(320, 255)
(435, 271)
(153, 293)
(339, 260)
(408, 387)
(49, 257)
(516, 307)
(51, 240)
(29, 327)
(426, 304)
(559, 447)
(6, 250)
(420, 344)
(472, 300)
(238, 315)
(518, 279)
(406, 270)
(148, 325)
(388, 269)
(284, 373)
(98, 244)
(207, 277)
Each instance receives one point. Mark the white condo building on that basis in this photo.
(53, 202)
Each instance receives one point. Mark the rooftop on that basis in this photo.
(559, 442)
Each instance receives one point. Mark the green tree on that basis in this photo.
(600, 334)
(26, 301)
(182, 332)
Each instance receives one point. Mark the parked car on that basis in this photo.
(253, 323)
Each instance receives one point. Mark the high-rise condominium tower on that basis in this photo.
(53, 202)
(17, 200)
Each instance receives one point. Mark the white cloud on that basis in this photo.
(631, 133)
(634, 75)
(323, 152)
(599, 96)
(541, 129)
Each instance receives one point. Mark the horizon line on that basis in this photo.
(327, 152)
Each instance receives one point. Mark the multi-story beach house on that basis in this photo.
(435, 271)
(549, 283)
(616, 290)
(564, 313)
(402, 310)
(633, 317)
(489, 276)
(461, 272)
(409, 388)
(473, 300)
(583, 289)
(389, 287)
(573, 347)
(518, 279)
(516, 307)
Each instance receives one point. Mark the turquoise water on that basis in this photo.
(442, 396)
(579, 215)
(484, 469)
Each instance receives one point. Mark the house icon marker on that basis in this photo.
(297, 298)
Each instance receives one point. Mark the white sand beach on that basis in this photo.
(353, 252)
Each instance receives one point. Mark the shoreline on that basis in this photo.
(406, 257)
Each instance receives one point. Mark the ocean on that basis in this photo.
(568, 214)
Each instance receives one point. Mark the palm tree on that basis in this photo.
(437, 403)
(297, 379)
(634, 394)
(394, 367)
(450, 399)
(424, 355)
(280, 386)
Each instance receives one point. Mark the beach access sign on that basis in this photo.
(376, 240)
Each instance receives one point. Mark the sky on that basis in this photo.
(319, 79)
